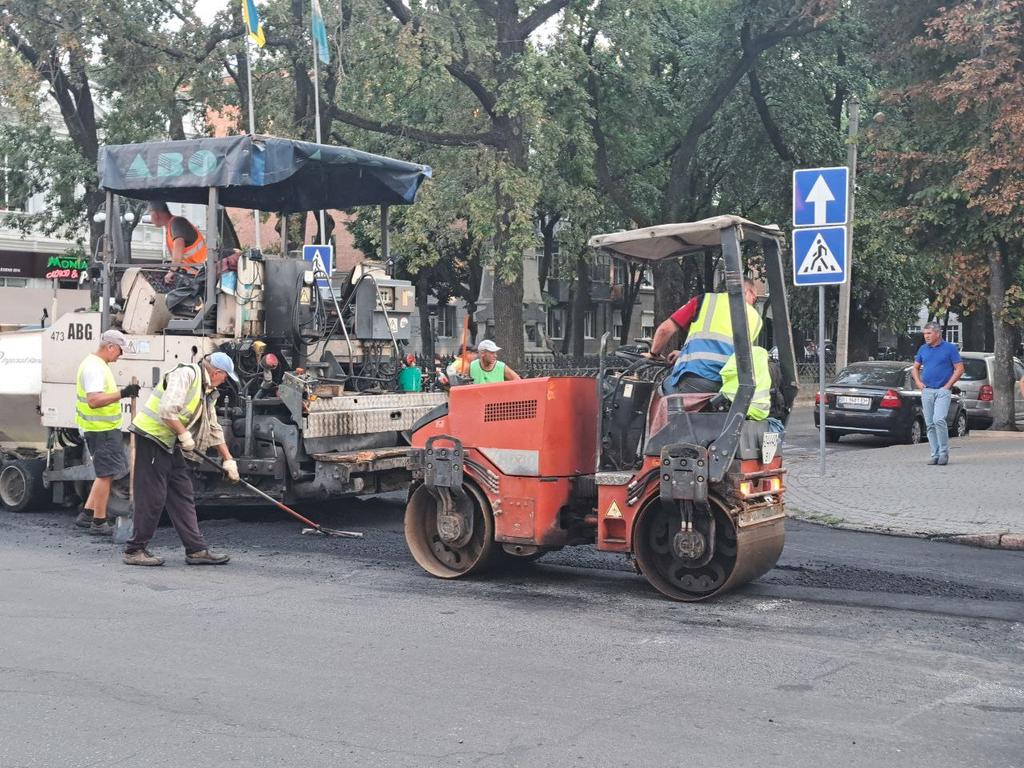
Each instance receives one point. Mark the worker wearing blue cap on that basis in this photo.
(178, 419)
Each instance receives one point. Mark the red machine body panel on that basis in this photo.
(525, 441)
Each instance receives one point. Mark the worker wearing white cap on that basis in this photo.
(98, 416)
(487, 368)
(178, 419)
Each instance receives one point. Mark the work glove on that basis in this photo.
(132, 390)
(230, 467)
(188, 443)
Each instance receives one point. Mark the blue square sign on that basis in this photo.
(820, 196)
(326, 254)
(819, 256)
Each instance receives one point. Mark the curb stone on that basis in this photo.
(1007, 541)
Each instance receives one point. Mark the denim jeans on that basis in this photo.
(935, 408)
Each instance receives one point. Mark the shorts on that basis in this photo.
(108, 455)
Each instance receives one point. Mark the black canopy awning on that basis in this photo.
(260, 172)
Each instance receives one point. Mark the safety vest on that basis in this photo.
(480, 376)
(194, 256)
(148, 418)
(104, 418)
(709, 343)
(761, 402)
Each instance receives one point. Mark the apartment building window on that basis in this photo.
(620, 272)
(556, 322)
(589, 321)
(444, 326)
(647, 325)
(600, 268)
(616, 325)
(13, 282)
(953, 334)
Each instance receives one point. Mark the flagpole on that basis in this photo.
(316, 103)
(252, 131)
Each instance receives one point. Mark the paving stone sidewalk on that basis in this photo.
(977, 499)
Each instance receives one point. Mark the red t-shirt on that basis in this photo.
(686, 314)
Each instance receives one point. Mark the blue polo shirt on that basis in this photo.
(937, 363)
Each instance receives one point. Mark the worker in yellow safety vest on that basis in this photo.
(185, 244)
(709, 343)
(98, 416)
(766, 402)
(177, 420)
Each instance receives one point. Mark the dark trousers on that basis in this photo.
(691, 382)
(163, 481)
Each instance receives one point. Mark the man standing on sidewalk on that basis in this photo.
(178, 419)
(98, 416)
(942, 368)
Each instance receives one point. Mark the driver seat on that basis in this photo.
(662, 405)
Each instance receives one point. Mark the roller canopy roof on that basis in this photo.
(668, 240)
(262, 172)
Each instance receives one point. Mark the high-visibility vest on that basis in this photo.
(104, 418)
(761, 402)
(194, 256)
(480, 376)
(709, 342)
(148, 418)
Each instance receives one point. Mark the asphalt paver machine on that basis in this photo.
(316, 415)
(509, 471)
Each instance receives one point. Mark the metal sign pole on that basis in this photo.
(252, 131)
(821, 376)
(319, 138)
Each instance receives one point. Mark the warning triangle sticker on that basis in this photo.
(614, 511)
(819, 259)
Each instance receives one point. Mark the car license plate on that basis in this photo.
(855, 403)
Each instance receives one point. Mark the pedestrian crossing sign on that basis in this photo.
(819, 256)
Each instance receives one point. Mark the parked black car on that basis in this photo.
(879, 398)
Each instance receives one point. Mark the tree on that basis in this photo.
(953, 138)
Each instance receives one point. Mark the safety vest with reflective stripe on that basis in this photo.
(709, 342)
(104, 418)
(148, 418)
(194, 256)
(481, 376)
(761, 402)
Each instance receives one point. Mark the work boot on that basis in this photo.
(142, 557)
(84, 519)
(943, 460)
(103, 526)
(205, 557)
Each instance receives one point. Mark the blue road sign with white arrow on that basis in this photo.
(820, 196)
(819, 256)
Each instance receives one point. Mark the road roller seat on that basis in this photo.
(662, 405)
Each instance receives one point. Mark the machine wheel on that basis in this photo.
(432, 553)
(21, 485)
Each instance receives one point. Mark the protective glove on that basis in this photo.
(230, 467)
(131, 390)
(188, 443)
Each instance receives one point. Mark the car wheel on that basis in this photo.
(832, 436)
(916, 434)
(960, 426)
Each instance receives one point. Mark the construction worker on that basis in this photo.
(458, 370)
(487, 368)
(177, 420)
(185, 243)
(98, 415)
(410, 378)
(697, 366)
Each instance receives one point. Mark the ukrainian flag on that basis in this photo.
(253, 25)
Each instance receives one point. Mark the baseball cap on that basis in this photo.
(488, 346)
(114, 336)
(222, 362)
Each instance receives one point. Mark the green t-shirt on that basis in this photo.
(410, 379)
(480, 376)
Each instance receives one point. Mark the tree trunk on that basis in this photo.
(426, 332)
(1003, 336)
(863, 339)
(508, 319)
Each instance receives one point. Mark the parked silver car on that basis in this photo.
(976, 388)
